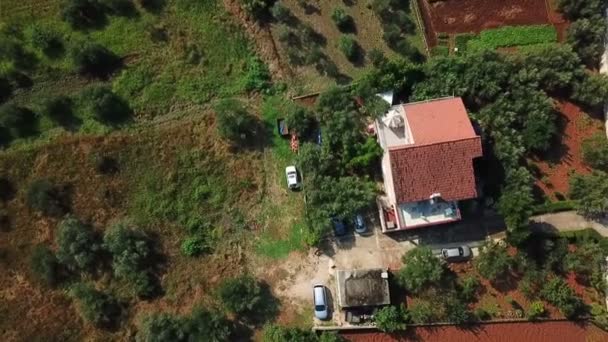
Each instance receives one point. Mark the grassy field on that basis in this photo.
(175, 178)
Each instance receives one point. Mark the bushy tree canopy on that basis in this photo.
(101, 104)
(590, 193)
(83, 14)
(595, 151)
(95, 60)
(131, 257)
(46, 198)
(234, 122)
(241, 295)
(277, 333)
(515, 202)
(557, 292)
(493, 262)
(257, 8)
(421, 269)
(201, 325)
(44, 265)
(78, 245)
(587, 38)
(390, 319)
(20, 122)
(59, 110)
(96, 306)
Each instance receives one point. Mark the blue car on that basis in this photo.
(339, 226)
(360, 226)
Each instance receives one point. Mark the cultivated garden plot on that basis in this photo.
(456, 16)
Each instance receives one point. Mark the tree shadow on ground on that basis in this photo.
(266, 311)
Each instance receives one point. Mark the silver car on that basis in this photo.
(320, 301)
(456, 254)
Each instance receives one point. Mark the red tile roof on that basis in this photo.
(440, 120)
(441, 158)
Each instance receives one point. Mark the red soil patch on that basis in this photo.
(460, 16)
(565, 155)
(503, 332)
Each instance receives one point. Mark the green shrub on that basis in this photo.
(536, 310)
(421, 269)
(468, 289)
(343, 21)
(20, 122)
(132, 257)
(240, 295)
(257, 8)
(83, 14)
(422, 312)
(493, 262)
(558, 293)
(101, 104)
(554, 207)
(300, 120)
(59, 110)
(595, 151)
(377, 57)
(277, 333)
(349, 47)
(95, 306)
(94, 60)
(280, 12)
(457, 311)
(163, 327)
(46, 198)
(234, 121)
(390, 319)
(78, 245)
(507, 36)
(47, 41)
(481, 314)
(44, 265)
(193, 246)
(258, 76)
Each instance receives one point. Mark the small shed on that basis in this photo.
(362, 288)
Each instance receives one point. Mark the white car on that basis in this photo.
(292, 177)
(320, 301)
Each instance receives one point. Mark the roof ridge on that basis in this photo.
(405, 147)
(431, 100)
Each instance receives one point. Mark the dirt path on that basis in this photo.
(261, 35)
(567, 221)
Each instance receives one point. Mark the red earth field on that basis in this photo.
(565, 155)
(561, 331)
(461, 16)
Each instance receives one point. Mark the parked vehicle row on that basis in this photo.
(358, 223)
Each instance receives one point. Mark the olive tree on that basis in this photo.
(95, 306)
(95, 60)
(132, 257)
(78, 245)
(234, 122)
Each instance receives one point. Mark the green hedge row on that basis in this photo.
(513, 36)
(553, 207)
